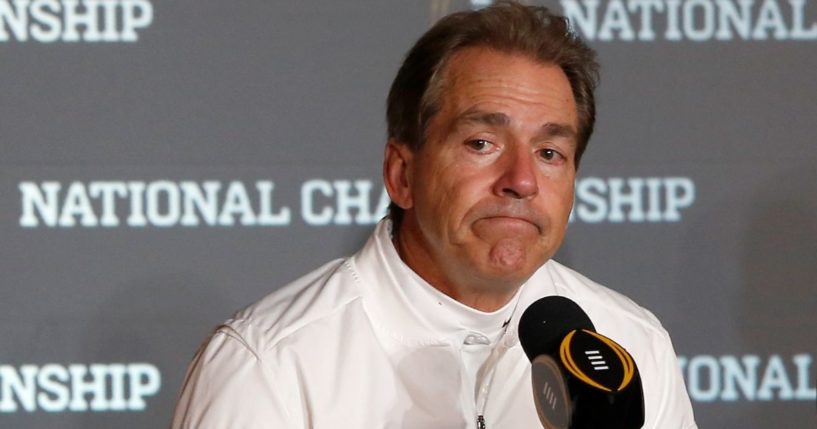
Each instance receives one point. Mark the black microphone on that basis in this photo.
(581, 379)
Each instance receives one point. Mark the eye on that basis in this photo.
(551, 155)
(479, 145)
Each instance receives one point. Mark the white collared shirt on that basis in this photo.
(365, 343)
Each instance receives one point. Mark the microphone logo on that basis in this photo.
(597, 360)
(552, 400)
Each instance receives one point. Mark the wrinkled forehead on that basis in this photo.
(478, 82)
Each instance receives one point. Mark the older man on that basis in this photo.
(488, 118)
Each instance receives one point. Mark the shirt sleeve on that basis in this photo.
(229, 385)
(675, 408)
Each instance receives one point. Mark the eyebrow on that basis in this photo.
(498, 119)
(482, 117)
(559, 130)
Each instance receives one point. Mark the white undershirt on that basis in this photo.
(474, 332)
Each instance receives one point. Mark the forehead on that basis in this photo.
(490, 79)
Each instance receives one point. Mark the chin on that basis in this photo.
(515, 264)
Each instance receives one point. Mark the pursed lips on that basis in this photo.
(513, 219)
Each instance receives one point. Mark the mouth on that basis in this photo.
(512, 222)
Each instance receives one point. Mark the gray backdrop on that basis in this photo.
(165, 163)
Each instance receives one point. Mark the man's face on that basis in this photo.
(487, 196)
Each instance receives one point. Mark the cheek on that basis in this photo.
(558, 198)
(566, 196)
(450, 200)
(466, 189)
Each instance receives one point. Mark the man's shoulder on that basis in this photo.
(314, 297)
(603, 305)
(641, 334)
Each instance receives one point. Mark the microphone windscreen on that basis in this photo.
(545, 323)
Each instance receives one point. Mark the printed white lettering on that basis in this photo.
(633, 199)
(236, 202)
(46, 26)
(137, 213)
(736, 375)
(749, 377)
(647, 8)
(266, 216)
(593, 206)
(82, 386)
(160, 203)
(78, 388)
(680, 193)
(693, 20)
(211, 203)
(20, 385)
(308, 213)
(701, 369)
(77, 203)
(359, 201)
(117, 377)
(804, 391)
(730, 19)
(616, 21)
(135, 14)
(775, 378)
(145, 380)
(54, 395)
(197, 203)
(107, 192)
(43, 200)
(619, 199)
(798, 32)
(74, 17)
(157, 192)
(699, 29)
(345, 201)
(73, 21)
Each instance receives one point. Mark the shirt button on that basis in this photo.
(472, 339)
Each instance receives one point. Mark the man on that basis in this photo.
(488, 118)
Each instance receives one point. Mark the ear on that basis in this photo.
(397, 165)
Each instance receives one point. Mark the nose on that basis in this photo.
(517, 177)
